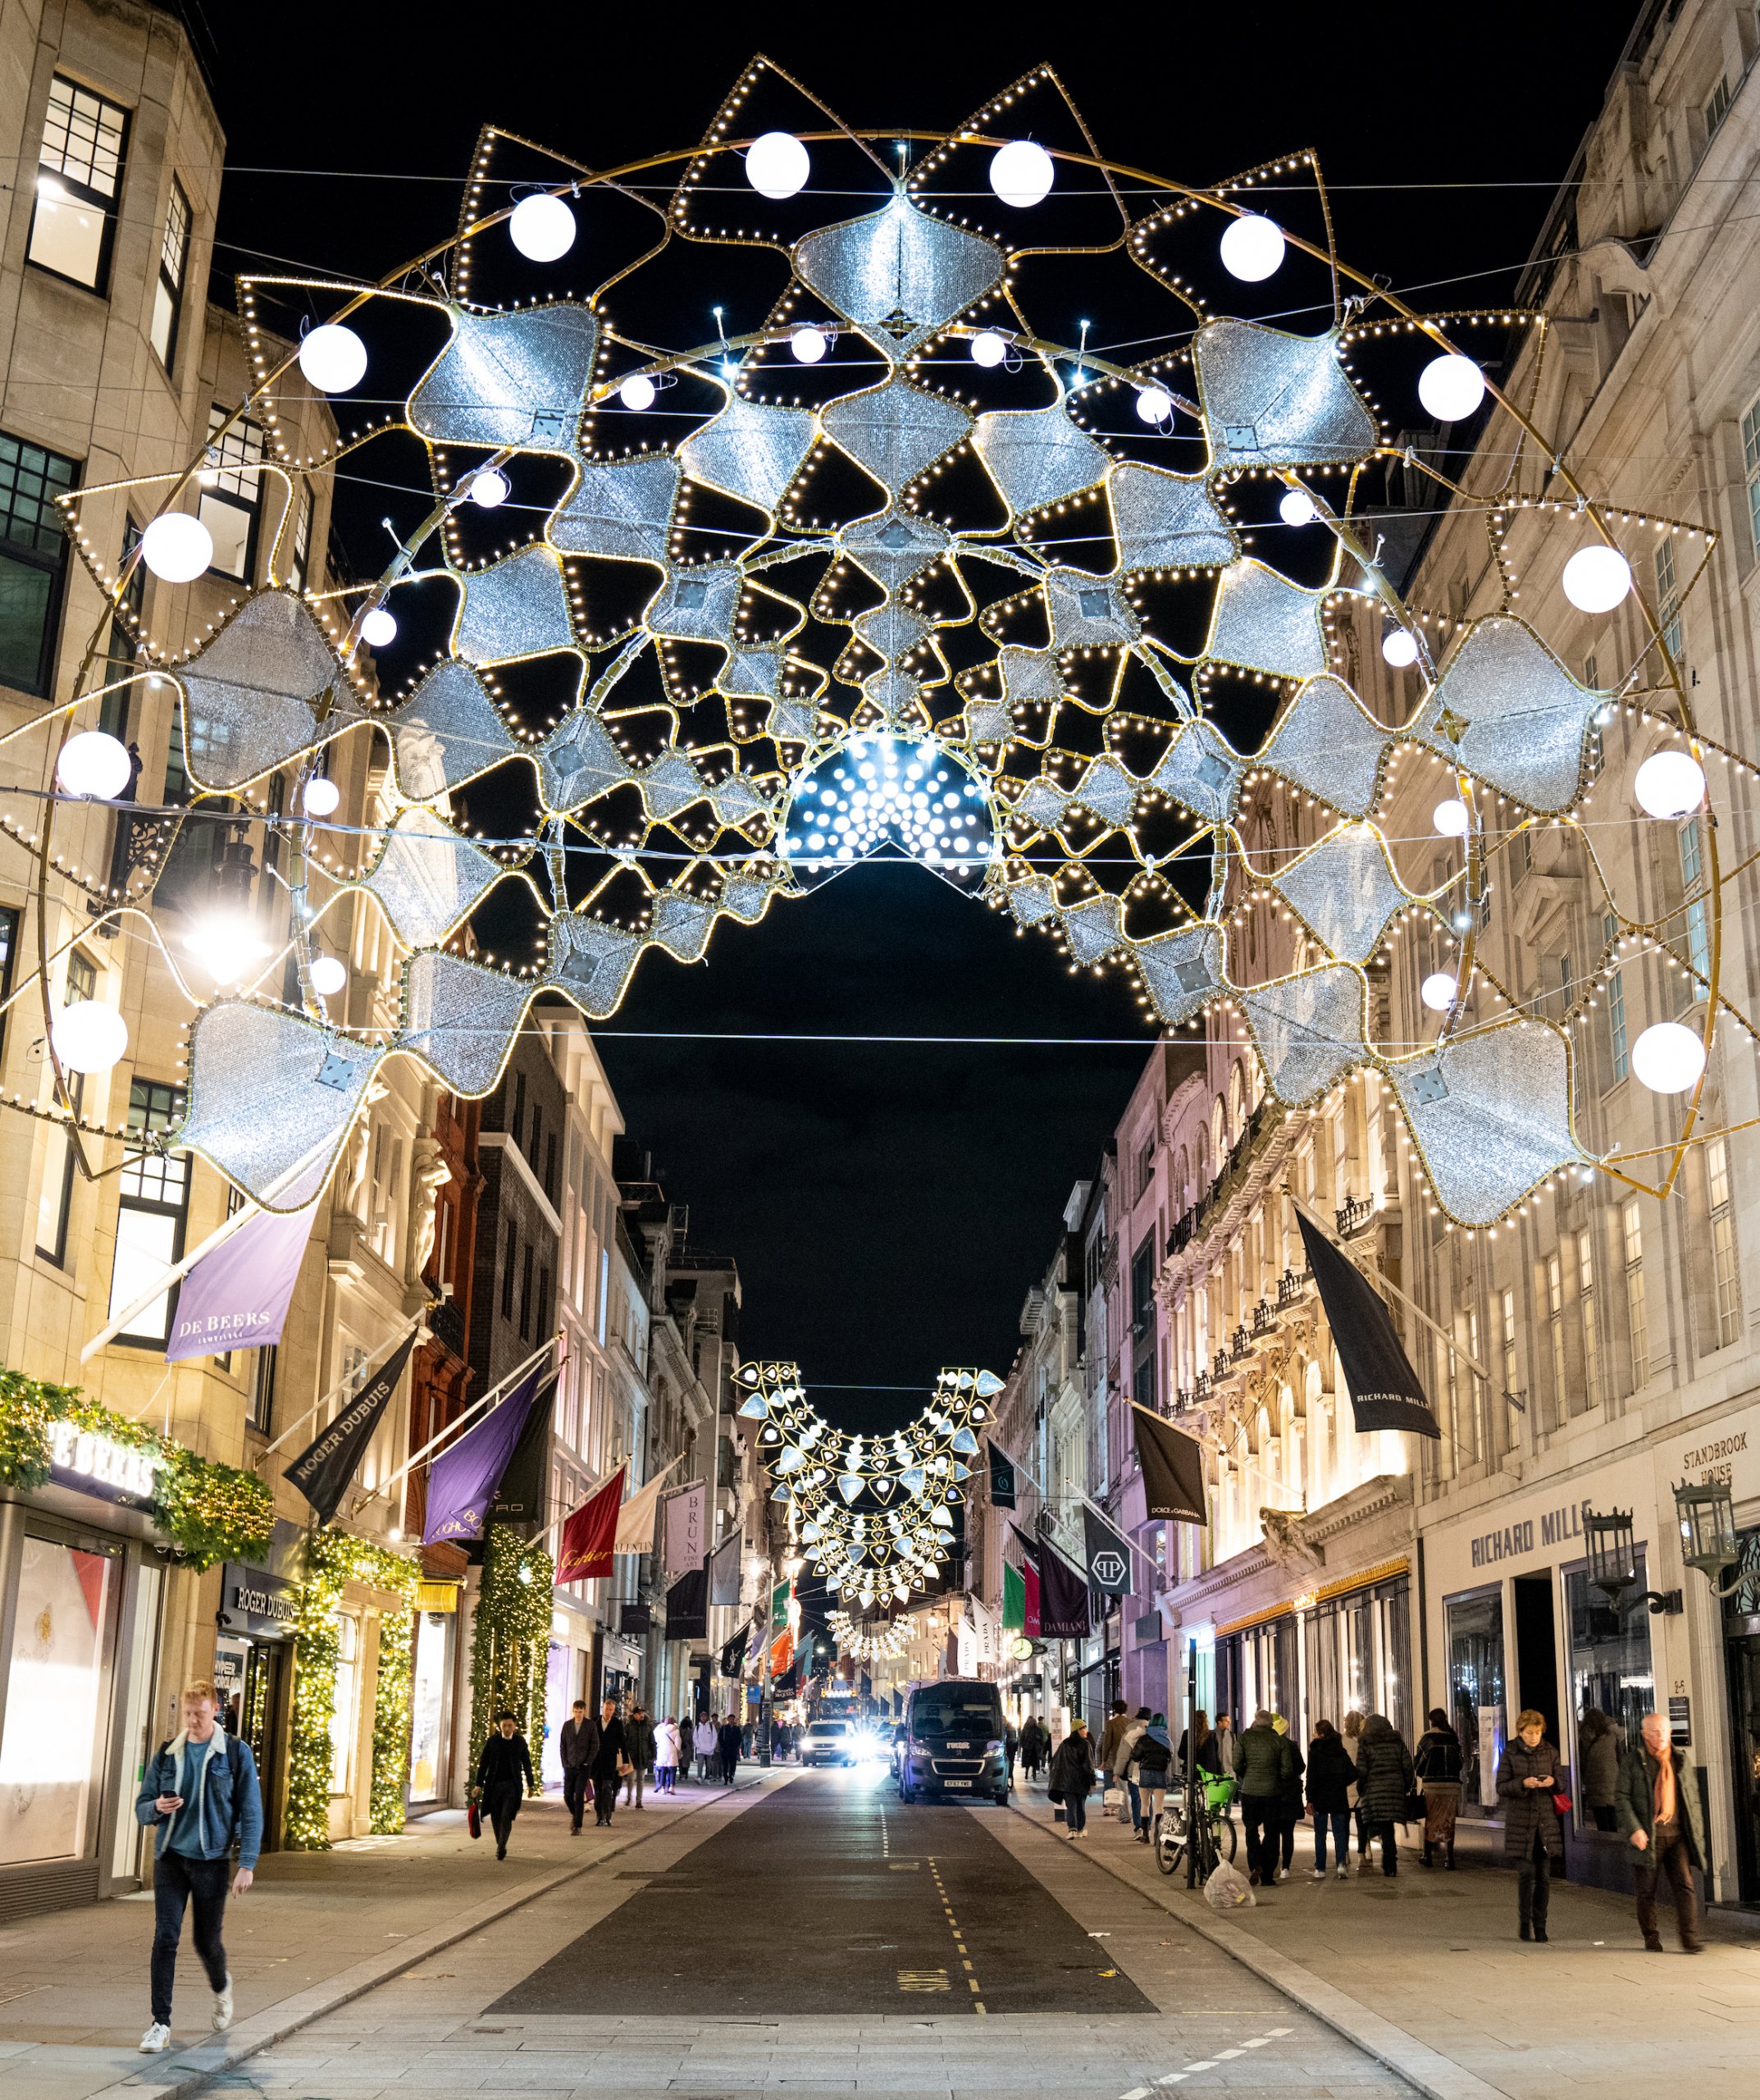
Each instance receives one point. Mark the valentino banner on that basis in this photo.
(323, 1471)
(1384, 1390)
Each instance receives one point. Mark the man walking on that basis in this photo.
(200, 1791)
(1656, 1801)
(576, 1753)
(729, 1745)
(1264, 1766)
(704, 1743)
(611, 1759)
(503, 1777)
(638, 1731)
(1117, 1726)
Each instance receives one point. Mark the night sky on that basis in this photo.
(889, 1205)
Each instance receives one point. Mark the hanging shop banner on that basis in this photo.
(1384, 1390)
(686, 1512)
(781, 1654)
(724, 1573)
(733, 1653)
(687, 1607)
(635, 1518)
(1062, 1599)
(1014, 1599)
(238, 1296)
(779, 1607)
(1030, 1611)
(589, 1535)
(1002, 1480)
(1172, 1469)
(523, 1495)
(463, 1480)
(1108, 1555)
(323, 1470)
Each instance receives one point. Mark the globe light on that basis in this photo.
(328, 974)
(1297, 507)
(1021, 173)
(1668, 1057)
(776, 164)
(89, 1036)
(321, 797)
(333, 358)
(490, 488)
(379, 628)
(636, 392)
(1438, 991)
(1252, 248)
(1451, 818)
(809, 344)
(1155, 404)
(177, 547)
(1451, 386)
(988, 348)
(542, 228)
(225, 945)
(1667, 784)
(94, 764)
(1597, 579)
(1399, 645)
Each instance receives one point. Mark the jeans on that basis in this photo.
(177, 1879)
(574, 1793)
(664, 1777)
(704, 1759)
(1389, 1846)
(1534, 1885)
(1075, 1811)
(1667, 1854)
(1262, 1816)
(1135, 1792)
(1338, 1820)
(501, 1804)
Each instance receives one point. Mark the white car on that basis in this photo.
(829, 1742)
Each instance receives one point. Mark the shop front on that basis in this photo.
(432, 1677)
(259, 1610)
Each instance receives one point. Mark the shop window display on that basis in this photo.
(1611, 1665)
(55, 1704)
(1476, 1689)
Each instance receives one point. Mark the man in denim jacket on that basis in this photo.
(200, 1791)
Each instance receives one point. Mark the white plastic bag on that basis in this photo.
(1114, 1799)
(1228, 1889)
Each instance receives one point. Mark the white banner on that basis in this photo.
(686, 1512)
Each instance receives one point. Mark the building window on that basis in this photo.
(1637, 1326)
(1751, 467)
(55, 1196)
(8, 949)
(79, 179)
(1692, 875)
(1722, 1241)
(509, 1265)
(1507, 1309)
(261, 1408)
(174, 260)
(527, 1307)
(154, 1209)
(1555, 1321)
(303, 546)
(343, 1714)
(1521, 851)
(1585, 1254)
(1716, 107)
(32, 560)
(231, 481)
(1667, 597)
(1618, 1049)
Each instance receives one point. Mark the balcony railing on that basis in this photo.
(1354, 1215)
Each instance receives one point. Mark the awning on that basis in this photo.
(1088, 1670)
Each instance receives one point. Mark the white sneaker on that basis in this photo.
(1344, 1874)
(223, 2007)
(156, 2039)
(1320, 1874)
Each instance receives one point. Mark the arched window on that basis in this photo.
(1219, 1132)
(1182, 1178)
(1237, 1103)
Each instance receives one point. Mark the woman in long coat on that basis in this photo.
(1533, 1836)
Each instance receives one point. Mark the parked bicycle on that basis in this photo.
(1216, 1838)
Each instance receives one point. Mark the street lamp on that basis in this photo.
(1708, 1532)
(1613, 1561)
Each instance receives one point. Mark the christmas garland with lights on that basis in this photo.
(332, 1560)
(211, 1512)
(510, 1642)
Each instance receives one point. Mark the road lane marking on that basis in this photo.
(923, 1979)
(1207, 2063)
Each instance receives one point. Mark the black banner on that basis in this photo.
(1063, 1598)
(1002, 1480)
(323, 1471)
(687, 1607)
(1384, 1390)
(1172, 1469)
(1108, 1555)
(523, 1495)
(733, 1653)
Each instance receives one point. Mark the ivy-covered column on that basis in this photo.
(510, 1643)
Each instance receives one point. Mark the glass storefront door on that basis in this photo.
(1473, 1637)
(56, 1701)
(428, 1706)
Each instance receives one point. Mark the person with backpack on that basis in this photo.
(199, 1794)
(1438, 1763)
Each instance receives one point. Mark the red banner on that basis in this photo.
(782, 1653)
(590, 1533)
(1030, 1575)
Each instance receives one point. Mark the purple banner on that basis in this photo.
(463, 1480)
(238, 1296)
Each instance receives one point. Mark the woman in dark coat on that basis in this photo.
(1290, 1793)
(1533, 1836)
(1384, 1780)
(1331, 1775)
(1600, 1743)
(1072, 1777)
(1438, 1764)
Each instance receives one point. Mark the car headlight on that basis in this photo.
(994, 1744)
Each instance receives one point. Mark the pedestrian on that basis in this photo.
(1533, 1836)
(728, 1742)
(1207, 1753)
(1290, 1801)
(611, 1762)
(1352, 1736)
(1155, 1754)
(1226, 1739)
(1111, 1737)
(1123, 1766)
(638, 1745)
(1439, 1763)
(666, 1754)
(1033, 1743)
(1600, 1752)
(1385, 1781)
(575, 1751)
(503, 1777)
(1659, 1812)
(1262, 1765)
(702, 1742)
(199, 1794)
(1011, 1749)
(1330, 1776)
(746, 1739)
(1072, 1777)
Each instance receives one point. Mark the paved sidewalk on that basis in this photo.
(1425, 1970)
(316, 1929)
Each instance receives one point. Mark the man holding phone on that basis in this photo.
(199, 1791)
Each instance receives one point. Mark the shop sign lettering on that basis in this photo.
(98, 1464)
(1514, 1541)
(1716, 1460)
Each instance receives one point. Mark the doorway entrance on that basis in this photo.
(1742, 1658)
(1536, 1651)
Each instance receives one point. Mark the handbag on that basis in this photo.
(1054, 1793)
(1560, 1804)
(473, 1819)
(624, 1768)
(1414, 1811)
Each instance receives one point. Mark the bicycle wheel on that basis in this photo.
(1226, 1837)
(1170, 1852)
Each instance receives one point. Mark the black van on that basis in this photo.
(954, 1742)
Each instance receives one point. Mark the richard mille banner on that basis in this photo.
(463, 1480)
(1384, 1390)
(1172, 1469)
(1002, 1480)
(323, 1471)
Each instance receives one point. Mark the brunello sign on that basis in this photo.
(1562, 1526)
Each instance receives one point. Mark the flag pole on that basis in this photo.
(324, 1398)
(475, 1407)
(1441, 1333)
